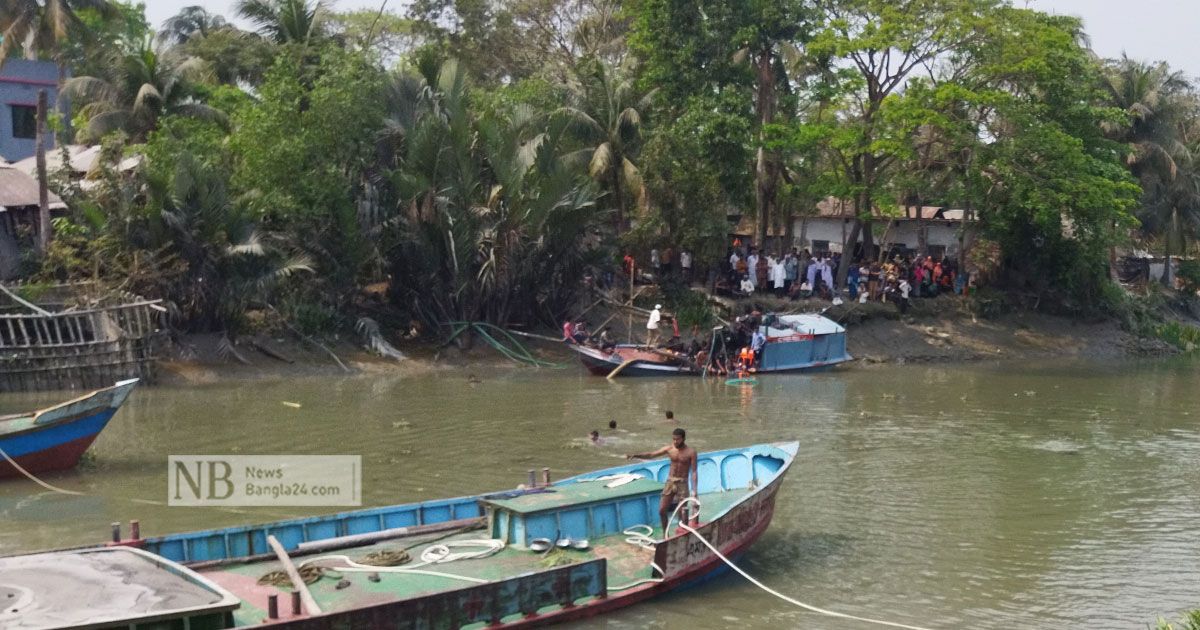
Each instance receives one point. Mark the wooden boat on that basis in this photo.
(508, 585)
(794, 343)
(56, 437)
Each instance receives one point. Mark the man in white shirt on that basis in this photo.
(747, 287)
(905, 289)
(752, 266)
(652, 326)
(685, 265)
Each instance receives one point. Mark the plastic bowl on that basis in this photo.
(540, 544)
(580, 544)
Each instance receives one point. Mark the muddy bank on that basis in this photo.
(1015, 336)
(936, 331)
(203, 358)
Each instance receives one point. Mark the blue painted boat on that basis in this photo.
(794, 343)
(56, 437)
(514, 587)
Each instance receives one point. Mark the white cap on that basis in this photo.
(657, 306)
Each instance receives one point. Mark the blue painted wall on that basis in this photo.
(20, 81)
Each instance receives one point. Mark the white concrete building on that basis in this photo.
(834, 221)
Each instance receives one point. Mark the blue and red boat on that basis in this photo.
(56, 437)
(537, 555)
(794, 343)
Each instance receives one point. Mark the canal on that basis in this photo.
(987, 496)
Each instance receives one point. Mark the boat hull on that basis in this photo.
(602, 365)
(685, 562)
(515, 596)
(55, 438)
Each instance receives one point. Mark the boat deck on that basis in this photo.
(627, 565)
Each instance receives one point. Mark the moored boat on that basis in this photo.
(793, 343)
(611, 553)
(56, 437)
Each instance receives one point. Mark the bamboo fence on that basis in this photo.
(78, 349)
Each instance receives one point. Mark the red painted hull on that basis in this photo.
(62, 457)
(685, 560)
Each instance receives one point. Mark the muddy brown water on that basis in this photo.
(985, 496)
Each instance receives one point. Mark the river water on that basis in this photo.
(985, 496)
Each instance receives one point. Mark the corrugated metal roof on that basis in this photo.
(82, 158)
(18, 189)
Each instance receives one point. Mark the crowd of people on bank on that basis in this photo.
(801, 275)
(748, 272)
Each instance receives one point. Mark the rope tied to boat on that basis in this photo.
(28, 475)
(764, 587)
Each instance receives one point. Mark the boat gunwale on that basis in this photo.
(183, 537)
(37, 425)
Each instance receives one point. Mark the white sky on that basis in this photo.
(1152, 30)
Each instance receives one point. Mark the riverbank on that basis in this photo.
(935, 331)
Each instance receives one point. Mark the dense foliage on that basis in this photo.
(477, 156)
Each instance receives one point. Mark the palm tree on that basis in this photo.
(1155, 100)
(143, 86)
(228, 262)
(284, 21)
(42, 26)
(491, 216)
(190, 21)
(1158, 104)
(606, 113)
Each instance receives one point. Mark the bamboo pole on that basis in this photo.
(310, 604)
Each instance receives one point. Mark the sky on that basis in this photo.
(1151, 30)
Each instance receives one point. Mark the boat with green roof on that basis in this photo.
(540, 554)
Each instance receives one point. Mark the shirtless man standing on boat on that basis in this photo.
(683, 463)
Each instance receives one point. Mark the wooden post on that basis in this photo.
(310, 604)
(43, 181)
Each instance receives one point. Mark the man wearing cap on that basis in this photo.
(652, 326)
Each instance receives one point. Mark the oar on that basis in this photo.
(618, 369)
(310, 604)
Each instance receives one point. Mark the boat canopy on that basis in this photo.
(806, 323)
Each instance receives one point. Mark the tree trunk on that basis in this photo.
(848, 253)
(620, 219)
(765, 172)
(43, 240)
(1168, 277)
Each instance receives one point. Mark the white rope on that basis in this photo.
(30, 476)
(435, 554)
(764, 587)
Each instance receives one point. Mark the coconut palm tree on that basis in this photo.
(285, 21)
(190, 21)
(143, 86)
(42, 26)
(1158, 103)
(606, 112)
